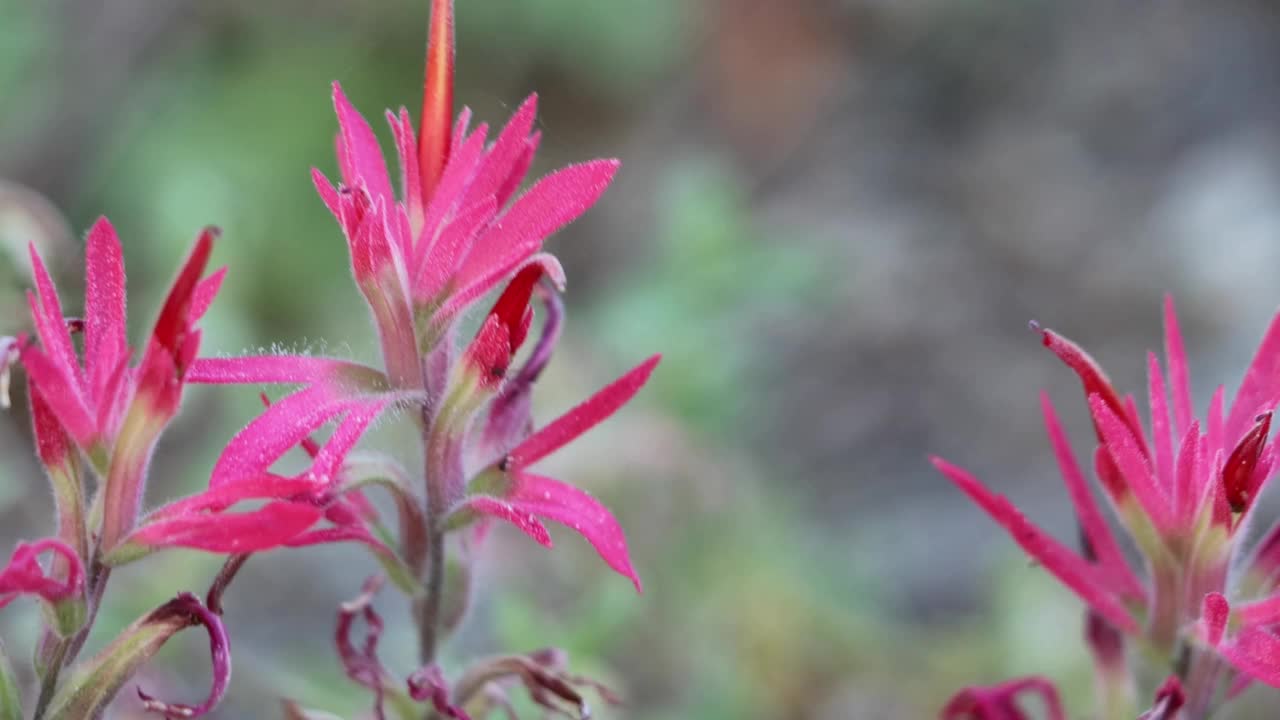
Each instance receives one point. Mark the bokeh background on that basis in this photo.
(835, 219)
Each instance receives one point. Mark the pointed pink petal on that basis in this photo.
(345, 533)
(437, 96)
(62, 394)
(464, 296)
(441, 260)
(216, 499)
(284, 369)
(1095, 381)
(582, 418)
(1217, 438)
(1070, 569)
(1132, 464)
(1179, 376)
(555, 201)
(410, 177)
(501, 509)
(1162, 438)
(1261, 612)
(269, 527)
(175, 321)
(1092, 523)
(332, 454)
(1187, 489)
(449, 194)
(364, 163)
(1255, 651)
(328, 195)
(519, 170)
(506, 152)
(53, 447)
(273, 433)
(50, 325)
(568, 505)
(1261, 385)
(105, 340)
(206, 292)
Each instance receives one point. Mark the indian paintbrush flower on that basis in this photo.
(458, 230)
(1185, 491)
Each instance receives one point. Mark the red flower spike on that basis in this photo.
(1000, 702)
(437, 96)
(24, 576)
(1239, 481)
(1070, 569)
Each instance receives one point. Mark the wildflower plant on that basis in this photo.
(1192, 592)
(458, 231)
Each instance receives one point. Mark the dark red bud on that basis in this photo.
(1238, 479)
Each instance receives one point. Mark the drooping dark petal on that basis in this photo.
(90, 687)
(24, 576)
(1000, 702)
(427, 684)
(220, 652)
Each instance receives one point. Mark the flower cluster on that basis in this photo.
(1202, 596)
(458, 230)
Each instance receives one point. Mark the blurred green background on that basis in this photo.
(834, 218)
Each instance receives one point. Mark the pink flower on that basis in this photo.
(114, 412)
(1183, 489)
(457, 230)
